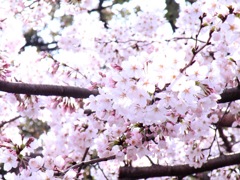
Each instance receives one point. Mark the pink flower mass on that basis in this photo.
(117, 89)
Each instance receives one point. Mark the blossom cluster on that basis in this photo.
(158, 88)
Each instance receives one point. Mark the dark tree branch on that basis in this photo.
(226, 142)
(100, 7)
(33, 39)
(229, 95)
(46, 90)
(227, 120)
(178, 170)
(102, 15)
(41, 46)
(172, 13)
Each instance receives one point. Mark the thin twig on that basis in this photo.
(220, 131)
(86, 163)
(152, 163)
(65, 65)
(196, 48)
(102, 172)
(83, 159)
(210, 147)
(11, 120)
(192, 61)
(188, 38)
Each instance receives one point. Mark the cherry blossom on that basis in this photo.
(158, 88)
(9, 160)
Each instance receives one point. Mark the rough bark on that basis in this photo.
(46, 90)
(228, 95)
(177, 170)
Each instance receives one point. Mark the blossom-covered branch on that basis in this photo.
(178, 170)
(153, 92)
(228, 95)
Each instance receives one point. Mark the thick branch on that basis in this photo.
(229, 95)
(227, 120)
(178, 170)
(76, 92)
(46, 90)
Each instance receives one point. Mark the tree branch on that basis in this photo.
(227, 120)
(46, 90)
(178, 170)
(83, 159)
(11, 120)
(93, 161)
(229, 95)
(227, 144)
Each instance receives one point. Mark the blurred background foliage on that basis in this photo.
(33, 128)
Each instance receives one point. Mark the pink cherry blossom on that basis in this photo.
(159, 88)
